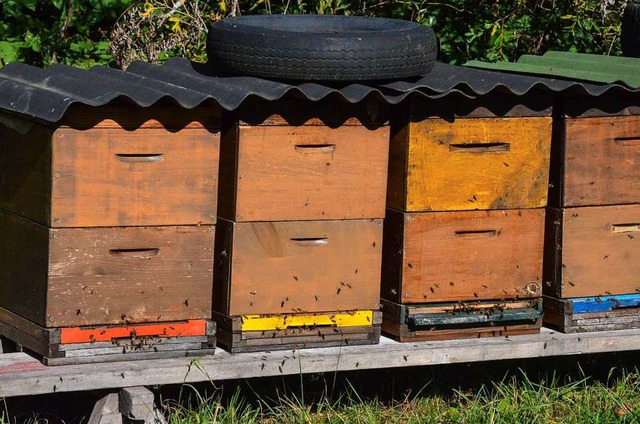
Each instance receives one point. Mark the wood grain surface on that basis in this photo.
(91, 276)
(601, 161)
(113, 177)
(300, 266)
(468, 164)
(283, 173)
(600, 251)
(460, 256)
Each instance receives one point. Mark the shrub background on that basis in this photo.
(84, 33)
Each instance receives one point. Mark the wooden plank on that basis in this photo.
(22, 375)
(604, 303)
(129, 275)
(25, 161)
(398, 164)
(601, 157)
(146, 175)
(134, 342)
(403, 334)
(24, 259)
(600, 254)
(480, 163)
(470, 255)
(304, 267)
(128, 356)
(236, 336)
(297, 173)
(100, 334)
(94, 353)
(339, 319)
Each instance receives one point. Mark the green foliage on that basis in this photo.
(80, 33)
(42, 32)
(494, 30)
(516, 400)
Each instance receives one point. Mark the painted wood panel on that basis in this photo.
(91, 276)
(465, 256)
(600, 251)
(129, 274)
(602, 155)
(113, 177)
(474, 163)
(284, 173)
(298, 267)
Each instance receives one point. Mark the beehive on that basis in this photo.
(594, 220)
(108, 219)
(465, 222)
(299, 242)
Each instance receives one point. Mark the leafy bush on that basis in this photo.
(72, 32)
(80, 33)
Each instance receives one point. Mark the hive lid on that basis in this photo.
(46, 94)
(575, 66)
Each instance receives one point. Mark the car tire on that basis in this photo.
(321, 47)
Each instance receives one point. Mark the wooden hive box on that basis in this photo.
(108, 218)
(112, 167)
(279, 172)
(596, 148)
(463, 256)
(478, 161)
(299, 236)
(465, 220)
(593, 224)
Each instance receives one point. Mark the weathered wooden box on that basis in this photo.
(297, 266)
(592, 251)
(460, 320)
(59, 277)
(599, 313)
(138, 167)
(595, 160)
(470, 163)
(299, 234)
(279, 172)
(107, 220)
(110, 343)
(462, 256)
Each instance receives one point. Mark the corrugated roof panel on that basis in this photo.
(46, 94)
(578, 66)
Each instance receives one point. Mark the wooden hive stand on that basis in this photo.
(108, 223)
(463, 239)
(299, 238)
(593, 224)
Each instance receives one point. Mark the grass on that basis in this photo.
(581, 389)
(515, 399)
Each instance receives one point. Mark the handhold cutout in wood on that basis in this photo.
(480, 147)
(314, 241)
(143, 253)
(140, 157)
(315, 148)
(625, 228)
(627, 141)
(476, 234)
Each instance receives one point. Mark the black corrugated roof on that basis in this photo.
(46, 94)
